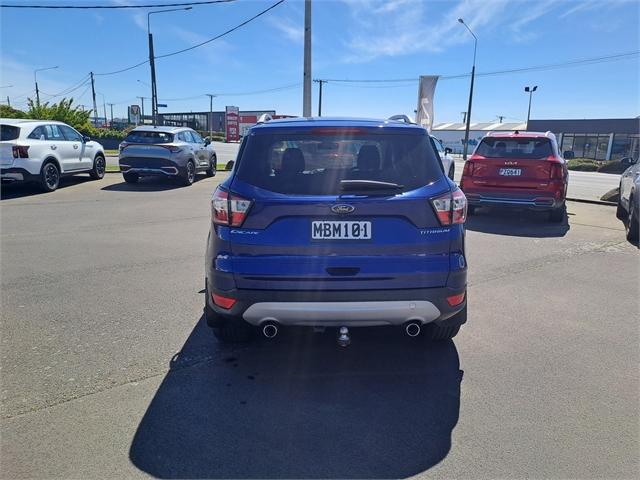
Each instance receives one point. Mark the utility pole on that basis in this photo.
(35, 77)
(95, 106)
(500, 118)
(210, 122)
(104, 108)
(464, 117)
(111, 107)
(8, 101)
(320, 82)
(306, 93)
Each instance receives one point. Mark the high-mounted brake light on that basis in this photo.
(229, 209)
(451, 208)
(20, 151)
(338, 131)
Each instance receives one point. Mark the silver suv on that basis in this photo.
(174, 152)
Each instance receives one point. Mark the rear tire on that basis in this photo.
(632, 224)
(49, 177)
(131, 177)
(213, 167)
(99, 167)
(189, 175)
(557, 214)
(439, 333)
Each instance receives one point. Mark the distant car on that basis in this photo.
(446, 159)
(522, 170)
(42, 151)
(342, 223)
(173, 152)
(629, 200)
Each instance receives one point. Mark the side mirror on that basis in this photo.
(568, 155)
(86, 139)
(447, 150)
(207, 141)
(628, 161)
(229, 166)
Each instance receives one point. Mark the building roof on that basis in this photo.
(484, 126)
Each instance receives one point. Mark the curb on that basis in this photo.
(593, 202)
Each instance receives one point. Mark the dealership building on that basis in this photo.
(598, 139)
(206, 121)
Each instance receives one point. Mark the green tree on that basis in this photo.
(63, 111)
(8, 112)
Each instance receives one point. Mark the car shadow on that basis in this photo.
(519, 223)
(19, 190)
(149, 184)
(300, 406)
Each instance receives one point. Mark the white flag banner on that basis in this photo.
(426, 90)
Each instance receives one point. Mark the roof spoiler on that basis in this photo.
(264, 118)
(401, 118)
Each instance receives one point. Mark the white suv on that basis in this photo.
(44, 150)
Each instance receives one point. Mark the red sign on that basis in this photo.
(232, 124)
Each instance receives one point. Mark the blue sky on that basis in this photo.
(355, 39)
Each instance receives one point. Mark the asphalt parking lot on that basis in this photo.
(108, 371)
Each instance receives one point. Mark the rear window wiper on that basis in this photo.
(355, 185)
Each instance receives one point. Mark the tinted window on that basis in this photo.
(52, 132)
(307, 164)
(149, 137)
(70, 134)
(38, 133)
(9, 132)
(531, 148)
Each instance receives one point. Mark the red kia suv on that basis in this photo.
(517, 170)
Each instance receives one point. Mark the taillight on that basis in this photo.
(468, 169)
(20, 151)
(171, 148)
(229, 209)
(556, 172)
(224, 302)
(451, 208)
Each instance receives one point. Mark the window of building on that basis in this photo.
(567, 143)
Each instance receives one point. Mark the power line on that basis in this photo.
(552, 66)
(197, 45)
(70, 89)
(224, 33)
(113, 7)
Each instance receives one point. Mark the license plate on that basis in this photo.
(326, 230)
(510, 172)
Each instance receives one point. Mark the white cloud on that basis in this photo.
(290, 29)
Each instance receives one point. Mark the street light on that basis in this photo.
(211, 97)
(530, 91)
(152, 64)
(35, 77)
(473, 74)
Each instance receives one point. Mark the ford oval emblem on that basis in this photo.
(342, 209)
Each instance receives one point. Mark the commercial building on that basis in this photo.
(598, 139)
(206, 121)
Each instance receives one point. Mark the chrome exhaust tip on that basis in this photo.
(413, 329)
(343, 337)
(270, 330)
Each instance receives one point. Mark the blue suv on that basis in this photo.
(341, 223)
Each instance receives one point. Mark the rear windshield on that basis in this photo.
(532, 148)
(308, 164)
(149, 137)
(9, 132)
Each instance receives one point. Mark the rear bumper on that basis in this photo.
(362, 308)
(533, 202)
(150, 166)
(16, 175)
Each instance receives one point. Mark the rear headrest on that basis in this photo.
(292, 161)
(369, 158)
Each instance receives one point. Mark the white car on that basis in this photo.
(42, 151)
(629, 199)
(448, 164)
